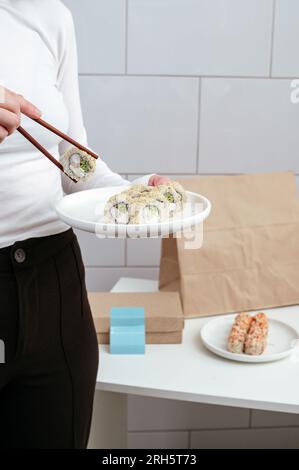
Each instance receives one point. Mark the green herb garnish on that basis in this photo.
(169, 196)
(84, 165)
(121, 207)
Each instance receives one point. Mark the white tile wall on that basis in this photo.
(101, 30)
(99, 252)
(186, 87)
(286, 37)
(158, 440)
(143, 252)
(143, 125)
(248, 125)
(174, 176)
(103, 278)
(159, 414)
(280, 438)
(199, 37)
(263, 419)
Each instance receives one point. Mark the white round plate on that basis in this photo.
(85, 210)
(282, 339)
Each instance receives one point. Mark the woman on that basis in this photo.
(51, 356)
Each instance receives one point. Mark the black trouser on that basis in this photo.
(47, 382)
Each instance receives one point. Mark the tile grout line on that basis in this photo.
(199, 101)
(255, 428)
(272, 39)
(186, 76)
(126, 34)
(202, 173)
(165, 173)
(183, 174)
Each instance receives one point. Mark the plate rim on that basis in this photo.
(246, 357)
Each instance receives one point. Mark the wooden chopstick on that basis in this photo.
(43, 150)
(65, 137)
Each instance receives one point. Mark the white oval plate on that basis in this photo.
(84, 210)
(282, 339)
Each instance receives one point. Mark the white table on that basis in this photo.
(190, 372)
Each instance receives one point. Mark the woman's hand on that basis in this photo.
(11, 107)
(157, 180)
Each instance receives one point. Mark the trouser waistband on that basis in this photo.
(28, 253)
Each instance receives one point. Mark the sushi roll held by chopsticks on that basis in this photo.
(78, 164)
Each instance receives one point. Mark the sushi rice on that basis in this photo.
(78, 164)
(117, 209)
(145, 204)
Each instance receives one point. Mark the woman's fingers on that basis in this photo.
(157, 180)
(17, 103)
(10, 104)
(11, 107)
(3, 134)
(28, 108)
(9, 121)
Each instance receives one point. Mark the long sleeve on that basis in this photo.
(69, 86)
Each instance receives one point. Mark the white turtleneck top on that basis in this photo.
(39, 61)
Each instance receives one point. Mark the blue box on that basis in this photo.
(127, 330)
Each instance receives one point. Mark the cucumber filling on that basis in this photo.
(170, 197)
(120, 213)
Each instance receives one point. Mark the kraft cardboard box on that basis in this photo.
(163, 314)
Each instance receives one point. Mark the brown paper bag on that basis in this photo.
(250, 254)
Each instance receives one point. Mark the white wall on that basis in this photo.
(187, 87)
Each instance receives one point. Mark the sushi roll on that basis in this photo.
(139, 190)
(146, 210)
(256, 339)
(165, 209)
(173, 199)
(179, 191)
(118, 209)
(78, 164)
(139, 204)
(237, 337)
